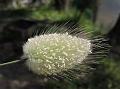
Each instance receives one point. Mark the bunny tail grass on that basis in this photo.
(63, 52)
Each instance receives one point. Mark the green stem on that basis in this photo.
(16, 61)
(12, 62)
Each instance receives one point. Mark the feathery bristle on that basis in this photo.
(49, 54)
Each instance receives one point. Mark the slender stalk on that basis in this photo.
(11, 62)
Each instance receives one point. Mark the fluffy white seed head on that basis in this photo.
(50, 54)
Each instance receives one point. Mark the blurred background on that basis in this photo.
(18, 19)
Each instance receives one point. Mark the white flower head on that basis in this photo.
(52, 53)
(56, 51)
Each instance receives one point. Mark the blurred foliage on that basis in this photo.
(13, 14)
(107, 75)
(86, 21)
(113, 70)
(53, 15)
